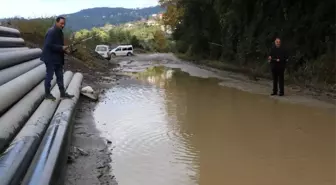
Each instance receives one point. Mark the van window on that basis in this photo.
(118, 49)
(124, 49)
(102, 48)
(130, 49)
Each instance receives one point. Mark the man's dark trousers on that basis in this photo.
(50, 70)
(278, 74)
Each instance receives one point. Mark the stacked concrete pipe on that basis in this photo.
(27, 121)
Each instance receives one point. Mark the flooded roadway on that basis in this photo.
(170, 128)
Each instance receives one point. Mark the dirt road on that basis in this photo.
(90, 154)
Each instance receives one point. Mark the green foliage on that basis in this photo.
(243, 33)
(140, 35)
(173, 12)
(135, 41)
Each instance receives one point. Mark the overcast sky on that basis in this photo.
(38, 8)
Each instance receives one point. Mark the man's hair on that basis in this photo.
(59, 18)
(277, 38)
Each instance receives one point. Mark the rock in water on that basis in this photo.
(87, 89)
(90, 93)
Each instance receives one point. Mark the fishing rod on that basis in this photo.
(72, 48)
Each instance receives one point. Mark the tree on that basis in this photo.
(244, 30)
(160, 41)
(173, 13)
(135, 41)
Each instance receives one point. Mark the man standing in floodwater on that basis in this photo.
(53, 57)
(278, 59)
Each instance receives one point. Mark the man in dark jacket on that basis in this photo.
(278, 59)
(53, 57)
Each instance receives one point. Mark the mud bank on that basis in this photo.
(89, 154)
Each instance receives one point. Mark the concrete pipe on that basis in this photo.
(11, 58)
(6, 42)
(12, 49)
(15, 89)
(16, 159)
(48, 162)
(12, 120)
(10, 73)
(9, 32)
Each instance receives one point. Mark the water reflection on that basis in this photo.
(157, 75)
(181, 130)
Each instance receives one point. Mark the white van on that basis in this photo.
(103, 50)
(122, 50)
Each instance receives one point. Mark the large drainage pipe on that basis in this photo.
(12, 72)
(15, 89)
(6, 42)
(11, 58)
(16, 159)
(43, 169)
(12, 49)
(12, 120)
(9, 32)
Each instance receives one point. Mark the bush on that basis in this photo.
(149, 38)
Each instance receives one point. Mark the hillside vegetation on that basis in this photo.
(98, 17)
(240, 33)
(139, 34)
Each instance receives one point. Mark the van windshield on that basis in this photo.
(102, 48)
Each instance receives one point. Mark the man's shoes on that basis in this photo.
(273, 94)
(67, 96)
(49, 97)
(281, 94)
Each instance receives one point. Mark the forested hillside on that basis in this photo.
(244, 30)
(98, 17)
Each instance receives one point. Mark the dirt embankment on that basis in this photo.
(89, 155)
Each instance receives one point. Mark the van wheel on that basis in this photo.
(114, 54)
(129, 54)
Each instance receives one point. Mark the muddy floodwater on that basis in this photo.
(170, 128)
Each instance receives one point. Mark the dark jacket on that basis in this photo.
(53, 47)
(278, 53)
